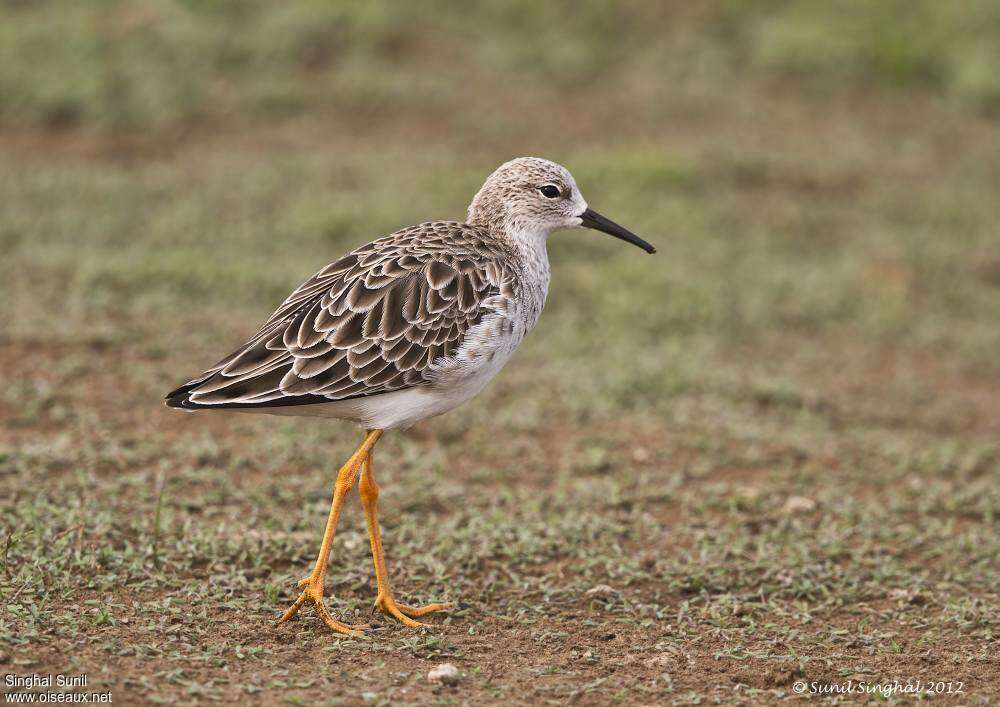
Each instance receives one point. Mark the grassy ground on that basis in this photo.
(767, 454)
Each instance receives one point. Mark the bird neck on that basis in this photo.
(489, 213)
(528, 238)
(525, 239)
(530, 245)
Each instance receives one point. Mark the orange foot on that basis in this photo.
(406, 614)
(313, 589)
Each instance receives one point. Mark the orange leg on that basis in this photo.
(312, 585)
(384, 601)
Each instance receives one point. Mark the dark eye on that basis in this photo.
(549, 191)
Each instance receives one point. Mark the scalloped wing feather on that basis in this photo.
(374, 321)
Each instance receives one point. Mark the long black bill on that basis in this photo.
(592, 219)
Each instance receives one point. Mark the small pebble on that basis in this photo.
(444, 674)
(799, 504)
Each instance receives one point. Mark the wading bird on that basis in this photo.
(404, 328)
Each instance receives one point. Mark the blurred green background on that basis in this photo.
(821, 321)
(806, 167)
(145, 65)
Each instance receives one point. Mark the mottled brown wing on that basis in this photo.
(370, 323)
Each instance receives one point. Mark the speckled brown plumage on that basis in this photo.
(414, 324)
(405, 328)
(372, 322)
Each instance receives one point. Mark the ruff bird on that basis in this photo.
(404, 328)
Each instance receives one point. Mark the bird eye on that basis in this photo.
(549, 191)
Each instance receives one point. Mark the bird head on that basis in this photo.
(530, 197)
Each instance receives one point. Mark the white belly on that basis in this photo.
(400, 408)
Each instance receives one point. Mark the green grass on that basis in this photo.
(155, 64)
(622, 509)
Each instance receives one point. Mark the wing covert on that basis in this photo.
(372, 322)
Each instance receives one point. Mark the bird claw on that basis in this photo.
(312, 588)
(406, 614)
